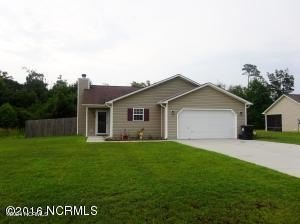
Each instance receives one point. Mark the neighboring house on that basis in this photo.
(283, 114)
(174, 108)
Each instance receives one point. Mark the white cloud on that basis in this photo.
(120, 41)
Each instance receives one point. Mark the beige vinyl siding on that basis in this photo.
(91, 121)
(146, 99)
(83, 83)
(205, 98)
(290, 111)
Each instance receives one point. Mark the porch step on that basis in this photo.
(95, 139)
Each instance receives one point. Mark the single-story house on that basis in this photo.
(174, 108)
(283, 114)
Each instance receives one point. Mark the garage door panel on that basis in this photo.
(206, 124)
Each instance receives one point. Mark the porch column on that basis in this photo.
(266, 123)
(166, 121)
(111, 120)
(86, 121)
(246, 116)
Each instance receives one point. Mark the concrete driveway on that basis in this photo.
(282, 157)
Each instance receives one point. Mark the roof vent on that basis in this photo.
(83, 75)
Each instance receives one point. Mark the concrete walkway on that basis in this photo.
(95, 139)
(282, 157)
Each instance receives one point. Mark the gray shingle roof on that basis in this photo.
(295, 97)
(99, 94)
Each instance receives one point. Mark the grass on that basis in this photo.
(284, 137)
(11, 132)
(162, 182)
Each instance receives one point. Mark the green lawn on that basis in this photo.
(11, 132)
(141, 183)
(284, 137)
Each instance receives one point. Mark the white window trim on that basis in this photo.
(138, 108)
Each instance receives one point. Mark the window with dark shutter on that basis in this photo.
(146, 114)
(129, 114)
(138, 114)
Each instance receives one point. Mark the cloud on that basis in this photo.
(120, 41)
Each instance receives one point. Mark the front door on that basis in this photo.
(101, 126)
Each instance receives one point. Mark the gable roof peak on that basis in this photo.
(155, 84)
(212, 86)
(293, 97)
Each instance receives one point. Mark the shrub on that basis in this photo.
(8, 116)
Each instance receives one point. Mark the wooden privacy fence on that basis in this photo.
(51, 127)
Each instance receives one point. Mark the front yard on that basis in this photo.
(141, 183)
(283, 137)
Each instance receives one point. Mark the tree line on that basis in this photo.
(34, 99)
(262, 91)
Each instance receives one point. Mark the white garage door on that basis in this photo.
(206, 124)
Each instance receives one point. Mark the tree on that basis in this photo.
(8, 116)
(24, 97)
(259, 94)
(281, 82)
(251, 71)
(33, 100)
(140, 84)
(4, 75)
(23, 115)
(221, 85)
(62, 100)
(238, 90)
(36, 82)
(8, 88)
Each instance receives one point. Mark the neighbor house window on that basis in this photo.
(138, 114)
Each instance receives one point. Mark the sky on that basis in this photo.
(116, 42)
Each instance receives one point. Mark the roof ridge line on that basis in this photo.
(113, 86)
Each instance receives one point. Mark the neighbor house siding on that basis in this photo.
(206, 98)
(146, 99)
(290, 111)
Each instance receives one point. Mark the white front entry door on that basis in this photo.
(206, 124)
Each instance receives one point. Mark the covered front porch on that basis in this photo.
(98, 121)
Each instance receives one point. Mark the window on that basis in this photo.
(138, 114)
